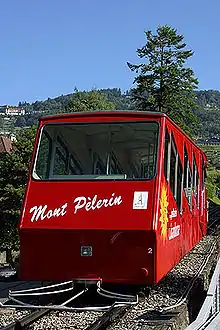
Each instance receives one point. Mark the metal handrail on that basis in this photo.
(210, 310)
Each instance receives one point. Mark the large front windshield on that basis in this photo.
(80, 151)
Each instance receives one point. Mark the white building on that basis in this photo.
(12, 111)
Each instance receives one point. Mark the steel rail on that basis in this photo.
(26, 320)
(108, 317)
(35, 315)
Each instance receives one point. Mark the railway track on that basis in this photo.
(99, 320)
(101, 323)
(163, 299)
(107, 318)
(140, 314)
(26, 320)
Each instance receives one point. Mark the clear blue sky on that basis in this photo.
(50, 46)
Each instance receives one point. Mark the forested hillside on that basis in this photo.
(208, 110)
(209, 113)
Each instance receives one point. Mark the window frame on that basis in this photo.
(83, 178)
(188, 189)
(172, 148)
(196, 180)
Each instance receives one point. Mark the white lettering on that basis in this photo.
(118, 200)
(99, 204)
(38, 212)
(81, 202)
(41, 212)
(95, 203)
(87, 203)
(174, 232)
(49, 214)
(173, 214)
(63, 211)
(105, 202)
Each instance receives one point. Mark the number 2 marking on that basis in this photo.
(149, 250)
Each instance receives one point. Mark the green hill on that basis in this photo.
(208, 110)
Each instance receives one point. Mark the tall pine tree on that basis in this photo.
(164, 83)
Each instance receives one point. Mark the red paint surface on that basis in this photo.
(57, 256)
(55, 194)
(121, 237)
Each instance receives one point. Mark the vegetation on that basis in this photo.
(164, 84)
(208, 110)
(213, 154)
(213, 185)
(209, 124)
(14, 169)
(88, 101)
(213, 172)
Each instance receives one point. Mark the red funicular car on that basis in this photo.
(113, 195)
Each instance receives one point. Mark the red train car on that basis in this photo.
(113, 195)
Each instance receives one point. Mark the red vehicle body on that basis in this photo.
(113, 195)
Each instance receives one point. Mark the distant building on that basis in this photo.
(11, 111)
(5, 144)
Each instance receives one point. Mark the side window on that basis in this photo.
(187, 178)
(195, 184)
(166, 154)
(179, 185)
(175, 170)
(204, 176)
(65, 163)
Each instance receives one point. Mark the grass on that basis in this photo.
(215, 200)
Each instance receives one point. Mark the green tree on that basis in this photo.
(20, 121)
(213, 185)
(164, 83)
(88, 101)
(1, 122)
(14, 169)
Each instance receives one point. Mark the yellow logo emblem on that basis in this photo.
(163, 211)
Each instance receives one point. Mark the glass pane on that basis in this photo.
(42, 164)
(185, 182)
(166, 153)
(103, 150)
(172, 169)
(60, 163)
(179, 185)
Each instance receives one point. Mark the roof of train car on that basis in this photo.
(102, 112)
(149, 114)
